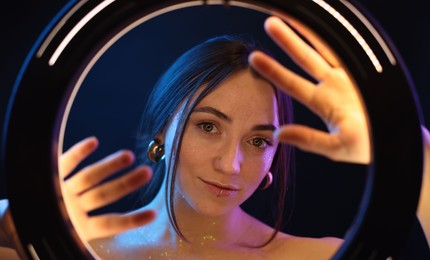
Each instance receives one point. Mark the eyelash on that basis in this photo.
(265, 140)
(203, 124)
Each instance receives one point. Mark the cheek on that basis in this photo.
(266, 160)
(194, 162)
(192, 152)
(194, 157)
(257, 167)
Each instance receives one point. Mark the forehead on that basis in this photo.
(244, 95)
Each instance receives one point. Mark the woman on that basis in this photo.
(220, 132)
(225, 115)
(214, 117)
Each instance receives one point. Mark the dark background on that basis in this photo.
(327, 194)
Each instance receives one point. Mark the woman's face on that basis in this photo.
(228, 145)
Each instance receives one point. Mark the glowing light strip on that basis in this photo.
(33, 252)
(353, 32)
(372, 30)
(215, 2)
(251, 6)
(58, 27)
(76, 29)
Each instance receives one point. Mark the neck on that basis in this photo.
(222, 230)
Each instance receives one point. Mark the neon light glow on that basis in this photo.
(76, 29)
(353, 32)
(373, 31)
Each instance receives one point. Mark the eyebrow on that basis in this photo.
(221, 115)
(214, 112)
(268, 127)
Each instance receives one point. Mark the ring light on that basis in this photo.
(83, 30)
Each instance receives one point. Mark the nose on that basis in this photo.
(229, 159)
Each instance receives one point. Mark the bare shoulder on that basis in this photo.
(304, 247)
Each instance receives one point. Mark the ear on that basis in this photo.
(161, 137)
(267, 181)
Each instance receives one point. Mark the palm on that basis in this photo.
(333, 98)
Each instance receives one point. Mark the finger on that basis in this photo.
(75, 155)
(294, 85)
(303, 54)
(323, 49)
(112, 191)
(311, 140)
(112, 224)
(95, 173)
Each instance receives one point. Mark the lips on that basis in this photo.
(220, 190)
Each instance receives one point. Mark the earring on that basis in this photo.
(267, 181)
(155, 151)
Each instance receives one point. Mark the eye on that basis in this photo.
(208, 127)
(260, 142)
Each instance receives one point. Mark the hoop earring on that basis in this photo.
(267, 181)
(155, 151)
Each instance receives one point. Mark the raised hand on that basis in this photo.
(333, 98)
(85, 190)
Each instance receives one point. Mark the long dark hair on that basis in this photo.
(207, 64)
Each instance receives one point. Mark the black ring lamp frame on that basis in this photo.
(84, 29)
